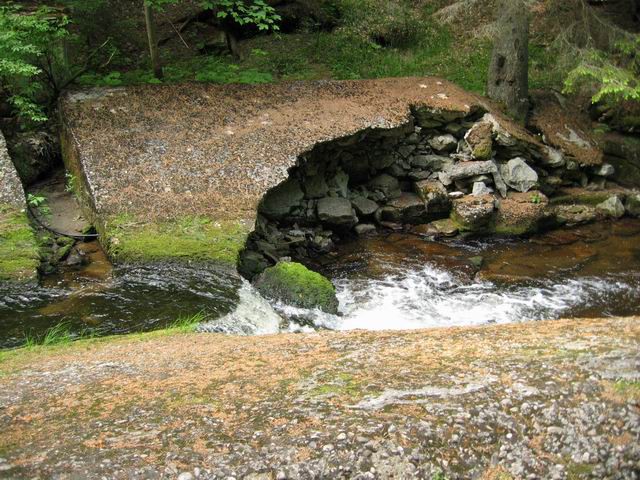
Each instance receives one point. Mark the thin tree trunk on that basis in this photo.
(153, 41)
(508, 79)
(232, 44)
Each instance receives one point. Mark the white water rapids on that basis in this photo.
(430, 297)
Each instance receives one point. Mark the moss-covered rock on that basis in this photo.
(18, 247)
(188, 238)
(294, 284)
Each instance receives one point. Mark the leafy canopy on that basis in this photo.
(26, 38)
(242, 12)
(614, 77)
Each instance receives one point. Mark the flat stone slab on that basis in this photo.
(18, 248)
(11, 192)
(163, 152)
(532, 399)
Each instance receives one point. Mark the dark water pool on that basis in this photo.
(394, 281)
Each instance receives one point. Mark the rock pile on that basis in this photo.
(442, 173)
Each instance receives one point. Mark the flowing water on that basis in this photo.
(393, 281)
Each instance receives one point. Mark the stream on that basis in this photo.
(394, 281)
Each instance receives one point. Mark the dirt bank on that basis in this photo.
(534, 400)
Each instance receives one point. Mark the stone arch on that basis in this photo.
(437, 174)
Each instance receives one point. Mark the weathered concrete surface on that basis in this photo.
(11, 192)
(555, 399)
(160, 153)
(565, 128)
(18, 248)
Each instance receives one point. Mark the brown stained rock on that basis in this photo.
(565, 129)
(172, 403)
(520, 213)
(161, 152)
(473, 213)
(480, 140)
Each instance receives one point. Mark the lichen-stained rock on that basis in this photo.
(518, 175)
(480, 140)
(473, 213)
(363, 206)
(386, 186)
(281, 200)
(573, 138)
(443, 143)
(435, 196)
(612, 207)
(520, 213)
(337, 212)
(463, 170)
(411, 206)
(11, 192)
(632, 205)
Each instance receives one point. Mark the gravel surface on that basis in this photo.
(533, 400)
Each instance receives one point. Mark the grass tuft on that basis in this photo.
(188, 323)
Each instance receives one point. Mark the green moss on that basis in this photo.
(582, 198)
(192, 238)
(294, 284)
(628, 388)
(18, 247)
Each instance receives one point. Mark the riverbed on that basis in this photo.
(387, 281)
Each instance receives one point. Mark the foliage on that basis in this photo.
(188, 323)
(612, 77)
(35, 200)
(256, 12)
(28, 40)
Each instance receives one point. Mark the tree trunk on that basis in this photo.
(232, 44)
(153, 42)
(508, 79)
(636, 10)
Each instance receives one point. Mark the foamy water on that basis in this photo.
(432, 297)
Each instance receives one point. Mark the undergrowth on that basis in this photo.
(62, 336)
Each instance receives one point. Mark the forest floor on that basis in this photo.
(555, 399)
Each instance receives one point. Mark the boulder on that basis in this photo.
(518, 175)
(604, 170)
(316, 186)
(571, 215)
(436, 229)
(34, 153)
(363, 206)
(632, 204)
(473, 213)
(443, 143)
(336, 212)
(431, 162)
(388, 215)
(480, 140)
(463, 170)
(281, 200)
(480, 188)
(386, 185)
(611, 207)
(435, 197)
(553, 158)
(252, 263)
(411, 206)
(521, 213)
(365, 229)
(339, 184)
(294, 284)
